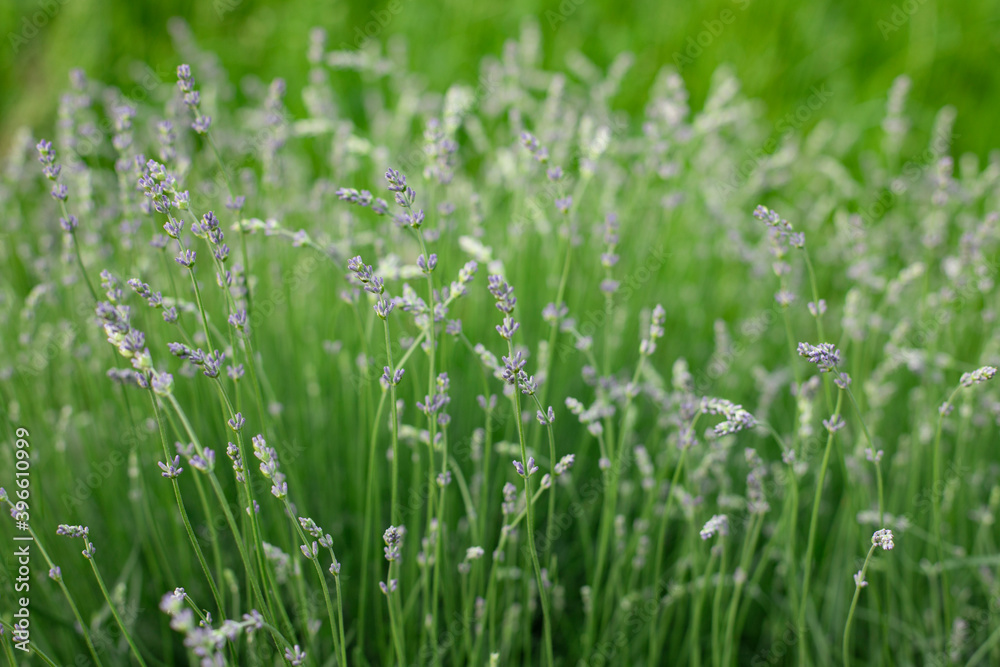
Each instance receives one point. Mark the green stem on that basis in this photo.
(810, 545)
(65, 591)
(871, 446)
(717, 609)
(542, 593)
(854, 603)
(114, 611)
(661, 539)
(183, 512)
(936, 493)
(695, 631)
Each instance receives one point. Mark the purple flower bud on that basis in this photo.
(162, 384)
(202, 123)
(383, 307)
(72, 531)
(186, 258)
(825, 355)
(213, 363)
(528, 471)
(239, 319)
(237, 422)
(171, 470)
(565, 463)
(184, 79)
(295, 655)
(834, 424)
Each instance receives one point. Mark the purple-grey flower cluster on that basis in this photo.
(200, 637)
(269, 467)
(393, 538)
(192, 99)
(978, 376)
(718, 524)
(51, 169)
(737, 419)
(82, 532)
(405, 198)
(372, 284)
(826, 356)
(210, 363)
(363, 198)
(883, 538)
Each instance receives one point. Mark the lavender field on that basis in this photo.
(500, 372)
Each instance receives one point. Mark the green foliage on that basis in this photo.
(675, 372)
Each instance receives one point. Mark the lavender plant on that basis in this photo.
(690, 413)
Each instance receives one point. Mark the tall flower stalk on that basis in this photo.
(826, 357)
(519, 381)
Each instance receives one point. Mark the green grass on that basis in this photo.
(900, 243)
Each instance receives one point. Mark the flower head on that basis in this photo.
(719, 523)
(978, 376)
(826, 356)
(883, 538)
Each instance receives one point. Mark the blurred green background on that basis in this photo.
(780, 49)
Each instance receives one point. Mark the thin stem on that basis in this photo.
(871, 446)
(858, 585)
(76, 252)
(322, 577)
(542, 593)
(394, 416)
(397, 631)
(183, 512)
(936, 503)
(749, 547)
(661, 539)
(717, 608)
(114, 611)
(695, 631)
(810, 545)
(41, 654)
(66, 594)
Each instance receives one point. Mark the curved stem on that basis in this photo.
(813, 524)
(114, 612)
(858, 585)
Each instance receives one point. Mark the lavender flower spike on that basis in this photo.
(531, 468)
(718, 524)
(883, 538)
(826, 356)
(393, 538)
(978, 376)
(171, 470)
